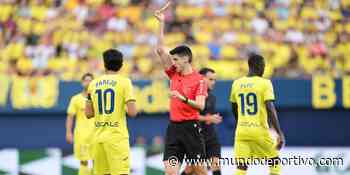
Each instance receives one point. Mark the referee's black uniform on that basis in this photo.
(212, 145)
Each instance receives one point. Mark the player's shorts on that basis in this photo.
(184, 138)
(212, 145)
(263, 148)
(112, 158)
(82, 150)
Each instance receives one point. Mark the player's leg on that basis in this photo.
(118, 156)
(241, 170)
(188, 170)
(80, 154)
(266, 148)
(242, 151)
(85, 155)
(84, 169)
(200, 170)
(101, 165)
(174, 151)
(275, 166)
(215, 166)
(194, 143)
(213, 150)
(171, 168)
(242, 166)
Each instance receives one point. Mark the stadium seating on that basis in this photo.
(66, 38)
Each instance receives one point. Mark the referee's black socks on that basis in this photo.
(217, 172)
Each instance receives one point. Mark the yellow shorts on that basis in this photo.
(82, 151)
(260, 148)
(112, 158)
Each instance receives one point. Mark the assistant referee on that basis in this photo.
(188, 93)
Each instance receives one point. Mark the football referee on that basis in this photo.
(188, 93)
(209, 117)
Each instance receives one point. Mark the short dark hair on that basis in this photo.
(255, 61)
(113, 59)
(87, 75)
(256, 64)
(205, 70)
(182, 50)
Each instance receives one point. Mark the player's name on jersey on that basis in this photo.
(106, 124)
(106, 82)
(247, 85)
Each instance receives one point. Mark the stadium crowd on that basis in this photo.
(298, 38)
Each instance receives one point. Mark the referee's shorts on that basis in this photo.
(184, 138)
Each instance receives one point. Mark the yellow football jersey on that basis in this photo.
(109, 94)
(250, 94)
(83, 126)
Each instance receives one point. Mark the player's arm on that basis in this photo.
(234, 108)
(272, 113)
(234, 105)
(89, 107)
(69, 128)
(269, 98)
(160, 48)
(71, 111)
(131, 108)
(130, 100)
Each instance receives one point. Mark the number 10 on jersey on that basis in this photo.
(102, 97)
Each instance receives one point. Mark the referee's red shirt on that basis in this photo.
(190, 86)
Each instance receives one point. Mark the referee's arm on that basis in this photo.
(201, 95)
(160, 50)
(199, 103)
(211, 118)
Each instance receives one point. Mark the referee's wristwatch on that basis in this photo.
(185, 100)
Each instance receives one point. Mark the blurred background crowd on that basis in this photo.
(65, 38)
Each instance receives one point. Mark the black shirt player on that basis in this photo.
(208, 118)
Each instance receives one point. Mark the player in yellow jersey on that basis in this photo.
(252, 104)
(83, 127)
(110, 96)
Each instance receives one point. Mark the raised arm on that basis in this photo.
(160, 48)
(272, 113)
